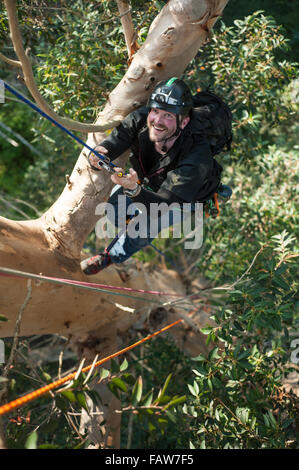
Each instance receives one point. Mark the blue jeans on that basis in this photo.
(146, 229)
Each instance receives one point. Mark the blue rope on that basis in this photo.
(42, 113)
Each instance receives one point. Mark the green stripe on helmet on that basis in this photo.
(170, 81)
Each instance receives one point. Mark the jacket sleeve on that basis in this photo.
(123, 136)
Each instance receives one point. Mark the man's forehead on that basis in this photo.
(163, 111)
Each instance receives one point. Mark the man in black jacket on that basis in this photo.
(171, 163)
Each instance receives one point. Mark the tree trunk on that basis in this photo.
(52, 244)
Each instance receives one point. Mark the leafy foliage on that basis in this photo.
(238, 399)
(240, 65)
(54, 421)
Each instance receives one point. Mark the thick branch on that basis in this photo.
(126, 21)
(16, 37)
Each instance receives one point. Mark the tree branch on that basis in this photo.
(127, 24)
(15, 63)
(17, 330)
(30, 82)
(14, 348)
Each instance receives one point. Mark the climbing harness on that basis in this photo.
(104, 162)
(211, 207)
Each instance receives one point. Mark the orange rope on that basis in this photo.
(216, 203)
(41, 391)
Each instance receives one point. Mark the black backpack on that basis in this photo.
(213, 118)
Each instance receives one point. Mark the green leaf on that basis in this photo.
(31, 441)
(266, 420)
(272, 419)
(245, 364)
(280, 282)
(163, 390)
(119, 384)
(206, 330)
(200, 357)
(214, 354)
(202, 445)
(3, 318)
(243, 355)
(128, 378)
(194, 389)
(164, 400)
(147, 400)
(287, 423)
(47, 376)
(162, 421)
(124, 365)
(243, 414)
(104, 373)
(176, 401)
(151, 427)
(200, 371)
(137, 391)
(171, 416)
(81, 399)
(70, 396)
(217, 383)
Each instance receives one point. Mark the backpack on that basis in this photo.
(213, 118)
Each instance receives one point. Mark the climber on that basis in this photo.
(171, 162)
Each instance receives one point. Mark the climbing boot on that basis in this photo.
(224, 192)
(96, 264)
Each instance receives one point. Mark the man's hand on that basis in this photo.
(94, 160)
(128, 181)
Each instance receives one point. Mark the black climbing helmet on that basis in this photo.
(172, 95)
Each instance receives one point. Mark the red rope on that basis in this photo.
(13, 273)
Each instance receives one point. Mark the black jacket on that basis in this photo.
(187, 173)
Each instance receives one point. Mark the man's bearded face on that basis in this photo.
(161, 124)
